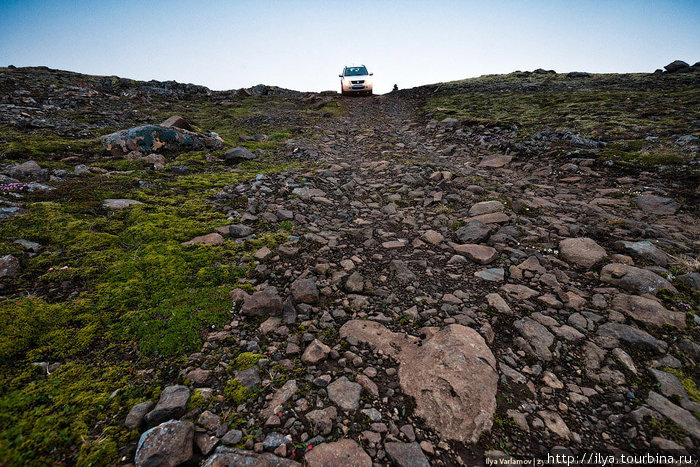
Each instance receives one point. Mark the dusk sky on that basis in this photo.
(304, 45)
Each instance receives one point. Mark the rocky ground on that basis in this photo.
(381, 281)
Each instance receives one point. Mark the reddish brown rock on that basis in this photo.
(495, 162)
(177, 122)
(322, 420)
(648, 311)
(198, 376)
(582, 251)
(315, 352)
(482, 254)
(343, 453)
(209, 239)
(304, 290)
(265, 302)
(450, 373)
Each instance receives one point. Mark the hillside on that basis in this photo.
(501, 266)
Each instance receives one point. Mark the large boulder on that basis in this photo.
(450, 372)
(157, 138)
(676, 65)
(167, 445)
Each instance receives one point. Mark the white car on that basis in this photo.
(356, 80)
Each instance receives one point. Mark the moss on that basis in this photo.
(622, 109)
(50, 419)
(666, 428)
(43, 144)
(196, 401)
(235, 393)
(688, 384)
(244, 439)
(246, 360)
(114, 286)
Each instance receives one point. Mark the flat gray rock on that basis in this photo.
(344, 393)
(9, 266)
(473, 232)
(647, 311)
(171, 405)
(225, 456)
(538, 338)
(657, 205)
(491, 275)
(633, 279)
(613, 333)
(680, 416)
(119, 203)
(406, 454)
(644, 249)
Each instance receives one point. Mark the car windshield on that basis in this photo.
(355, 71)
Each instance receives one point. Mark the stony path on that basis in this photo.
(442, 300)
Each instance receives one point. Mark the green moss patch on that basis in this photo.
(622, 110)
(235, 393)
(68, 416)
(111, 291)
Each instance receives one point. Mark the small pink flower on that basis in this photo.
(212, 326)
(64, 268)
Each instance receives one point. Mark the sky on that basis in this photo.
(304, 45)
